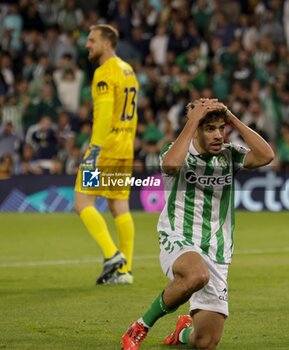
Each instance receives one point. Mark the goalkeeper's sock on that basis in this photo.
(184, 336)
(157, 310)
(96, 226)
(125, 229)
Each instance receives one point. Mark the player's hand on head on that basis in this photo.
(221, 107)
(90, 161)
(206, 100)
(199, 108)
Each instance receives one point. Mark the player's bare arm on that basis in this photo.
(196, 111)
(260, 151)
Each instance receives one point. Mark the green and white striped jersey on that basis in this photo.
(199, 207)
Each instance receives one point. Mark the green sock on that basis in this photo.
(184, 336)
(156, 311)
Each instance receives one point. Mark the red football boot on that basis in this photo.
(133, 337)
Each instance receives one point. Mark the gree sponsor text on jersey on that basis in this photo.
(208, 180)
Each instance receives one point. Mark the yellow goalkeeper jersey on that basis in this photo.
(114, 93)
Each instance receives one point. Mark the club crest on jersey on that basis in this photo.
(220, 161)
(223, 162)
(207, 180)
(102, 87)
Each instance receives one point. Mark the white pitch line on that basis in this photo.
(139, 257)
(261, 251)
(67, 262)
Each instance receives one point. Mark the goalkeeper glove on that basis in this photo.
(91, 160)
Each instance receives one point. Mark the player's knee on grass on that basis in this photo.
(204, 341)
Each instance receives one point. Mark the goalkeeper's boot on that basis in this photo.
(120, 278)
(110, 266)
(184, 321)
(133, 337)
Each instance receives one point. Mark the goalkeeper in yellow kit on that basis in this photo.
(114, 92)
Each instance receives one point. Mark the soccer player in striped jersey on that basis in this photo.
(196, 226)
(114, 92)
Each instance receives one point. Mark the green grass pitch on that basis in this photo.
(48, 297)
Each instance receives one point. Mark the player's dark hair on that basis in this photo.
(107, 32)
(213, 116)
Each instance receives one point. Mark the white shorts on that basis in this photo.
(214, 295)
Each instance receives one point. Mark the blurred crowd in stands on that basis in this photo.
(236, 51)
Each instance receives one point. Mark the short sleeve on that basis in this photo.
(163, 152)
(238, 156)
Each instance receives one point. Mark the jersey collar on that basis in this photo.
(193, 150)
